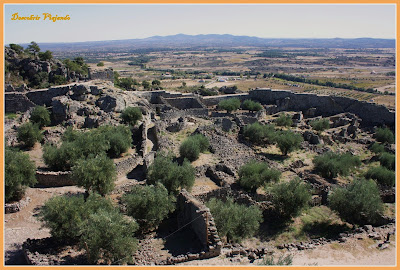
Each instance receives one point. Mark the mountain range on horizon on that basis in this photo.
(220, 41)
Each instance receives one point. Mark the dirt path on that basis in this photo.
(20, 226)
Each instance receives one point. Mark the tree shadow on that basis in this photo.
(324, 229)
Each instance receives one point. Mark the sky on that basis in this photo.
(114, 22)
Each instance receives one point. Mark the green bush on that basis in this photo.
(119, 139)
(320, 125)
(282, 260)
(189, 149)
(131, 115)
(75, 145)
(359, 202)
(41, 116)
(288, 141)
(388, 160)
(96, 173)
(170, 174)
(377, 148)
(251, 105)
(100, 64)
(382, 175)
(384, 135)
(108, 238)
(284, 120)
(258, 134)
(235, 221)
(330, 165)
(29, 134)
(148, 205)
(256, 174)
(290, 198)
(193, 146)
(64, 215)
(19, 173)
(230, 105)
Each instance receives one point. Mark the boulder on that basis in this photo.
(109, 103)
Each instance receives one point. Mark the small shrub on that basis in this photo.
(119, 139)
(19, 173)
(256, 174)
(358, 203)
(382, 175)
(320, 125)
(29, 134)
(149, 205)
(235, 221)
(190, 149)
(284, 120)
(251, 105)
(40, 116)
(100, 64)
(388, 160)
(64, 215)
(282, 260)
(193, 146)
(330, 165)
(131, 115)
(95, 174)
(377, 148)
(258, 134)
(230, 105)
(170, 174)
(384, 135)
(288, 141)
(289, 198)
(108, 238)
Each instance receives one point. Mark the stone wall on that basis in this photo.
(172, 114)
(191, 211)
(54, 179)
(370, 113)
(104, 74)
(17, 102)
(126, 165)
(214, 100)
(183, 103)
(44, 97)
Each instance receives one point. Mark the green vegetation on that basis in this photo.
(149, 205)
(282, 260)
(193, 146)
(96, 224)
(235, 221)
(384, 135)
(358, 203)
(170, 174)
(46, 56)
(288, 141)
(320, 124)
(382, 175)
(108, 238)
(251, 105)
(388, 160)
(377, 148)
(112, 141)
(96, 173)
(64, 215)
(29, 134)
(100, 64)
(131, 115)
(259, 134)
(284, 120)
(41, 116)
(330, 165)
(19, 173)
(290, 198)
(77, 65)
(125, 83)
(257, 174)
(230, 105)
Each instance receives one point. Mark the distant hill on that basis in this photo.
(220, 41)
